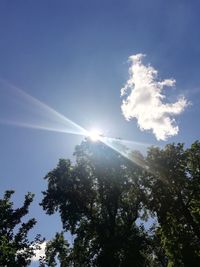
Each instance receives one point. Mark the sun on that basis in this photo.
(95, 135)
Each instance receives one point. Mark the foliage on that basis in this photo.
(99, 203)
(57, 248)
(102, 198)
(172, 192)
(15, 248)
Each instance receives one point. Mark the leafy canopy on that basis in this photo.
(98, 202)
(15, 248)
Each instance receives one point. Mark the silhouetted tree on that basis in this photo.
(102, 195)
(56, 251)
(15, 248)
(172, 190)
(98, 201)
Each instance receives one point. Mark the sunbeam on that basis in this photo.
(24, 110)
(119, 146)
(128, 142)
(39, 127)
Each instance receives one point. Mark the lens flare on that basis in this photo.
(23, 110)
(95, 135)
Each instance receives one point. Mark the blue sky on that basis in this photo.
(72, 55)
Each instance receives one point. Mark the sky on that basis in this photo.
(88, 61)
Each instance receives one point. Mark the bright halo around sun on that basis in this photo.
(95, 135)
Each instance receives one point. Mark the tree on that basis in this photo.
(172, 190)
(102, 195)
(99, 203)
(15, 248)
(56, 249)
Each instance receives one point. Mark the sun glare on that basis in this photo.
(95, 135)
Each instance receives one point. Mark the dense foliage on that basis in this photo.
(103, 197)
(57, 248)
(15, 248)
(172, 192)
(107, 202)
(98, 203)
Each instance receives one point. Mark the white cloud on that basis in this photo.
(40, 252)
(144, 100)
